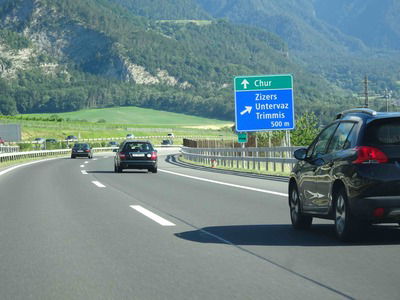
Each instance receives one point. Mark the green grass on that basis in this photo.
(136, 115)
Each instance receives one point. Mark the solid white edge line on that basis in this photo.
(152, 216)
(26, 164)
(226, 183)
(99, 184)
(84, 172)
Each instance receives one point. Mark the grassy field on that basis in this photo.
(136, 115)
(117, 122)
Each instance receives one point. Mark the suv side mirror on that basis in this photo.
(300, 154)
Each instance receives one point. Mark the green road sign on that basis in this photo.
(264, 103)
(242, 137)
(269, 82)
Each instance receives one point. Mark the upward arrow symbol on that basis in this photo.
(245, 83)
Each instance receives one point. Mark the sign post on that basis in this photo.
(264, 103)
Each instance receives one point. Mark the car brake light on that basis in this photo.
(87, 150)
(122, 155)
(378, 212)
(153, 155)
(370, 155)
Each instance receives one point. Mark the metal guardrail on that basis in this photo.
(120, 138)
(245, 158)
(8, 149)
(5, 157)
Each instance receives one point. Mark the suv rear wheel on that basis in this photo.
(299, 220)
(346, 225)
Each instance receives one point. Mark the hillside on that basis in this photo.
(165, 10)
(60, 55)
(132, 115)
(377, 25)
(339, 40)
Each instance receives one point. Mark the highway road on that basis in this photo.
(74, 229)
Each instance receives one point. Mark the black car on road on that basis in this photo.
(81, 150)
(350, 173)
(135, 154)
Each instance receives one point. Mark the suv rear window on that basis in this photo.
(137, 147)
(383, 132)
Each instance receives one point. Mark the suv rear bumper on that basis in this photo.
(363, 208)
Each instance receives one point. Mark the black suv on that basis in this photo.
(350, 173)
(81, 149)
(136, 155)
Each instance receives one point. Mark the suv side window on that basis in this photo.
(340, 139)
(322, 141)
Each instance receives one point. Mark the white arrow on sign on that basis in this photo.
(247, 110)
(245, 83)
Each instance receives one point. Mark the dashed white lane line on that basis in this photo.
(86, 162)
(152, 216)
(84, 172)
(227, 184)
(98, 184)
(82, 166)
(95, 158)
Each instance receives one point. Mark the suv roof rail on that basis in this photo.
(368, 111)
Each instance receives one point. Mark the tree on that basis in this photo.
(306, 129)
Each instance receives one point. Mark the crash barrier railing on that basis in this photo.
(5, 157)
(121, 138)
(277, 159)
(8, 149)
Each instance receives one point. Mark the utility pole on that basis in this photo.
(366, 91)
(387, 96)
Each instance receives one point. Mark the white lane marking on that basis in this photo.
(152, 215)
(26, 164)
(99, 184)
(82, 166)
(86, 162)
(227, 184)
(95, 159)
(84, 172)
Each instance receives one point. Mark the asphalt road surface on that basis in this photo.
(74, 229)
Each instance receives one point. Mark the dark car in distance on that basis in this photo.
(81, 150)
(71, 138)
(167, 142)
(134, 154)
(350, 173)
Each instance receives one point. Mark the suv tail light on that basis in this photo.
(87, 150)
(370, 155)
(121, 155)
(153, 155)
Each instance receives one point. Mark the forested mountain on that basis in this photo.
(179, 55)
(340, 40)
(376, 23)
(165, 10)
(58, 55)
